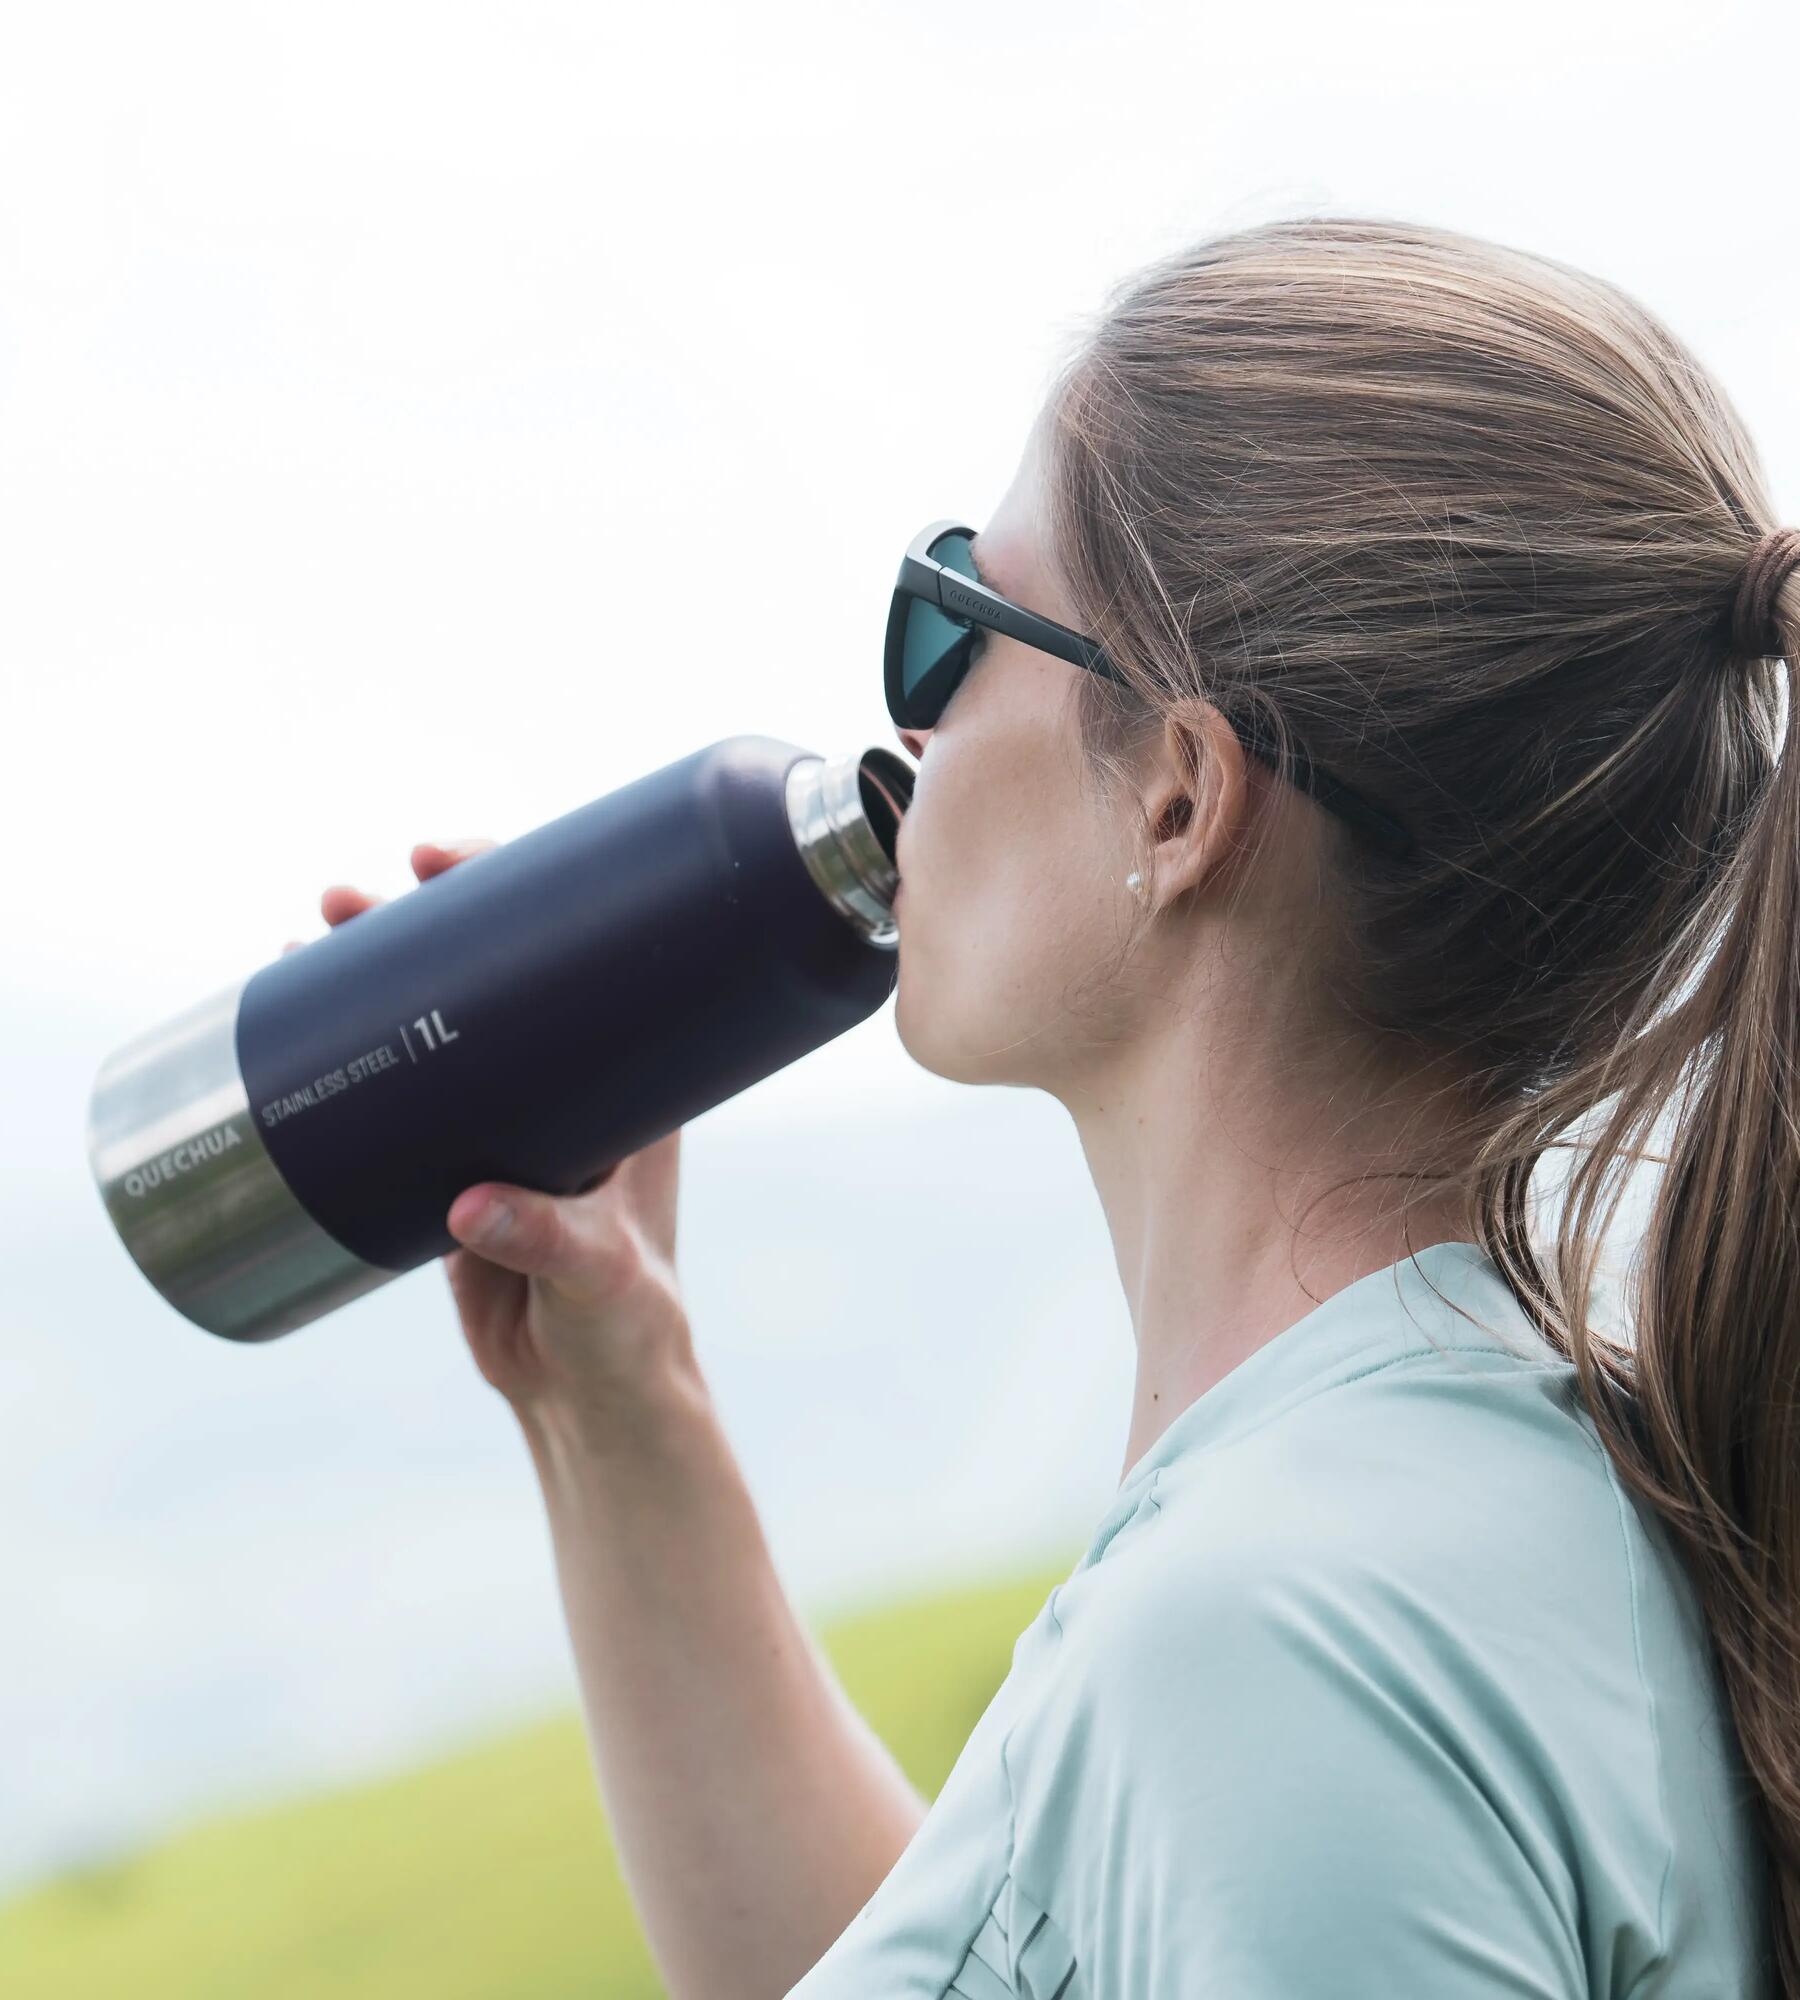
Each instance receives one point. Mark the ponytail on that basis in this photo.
(1702, 1416)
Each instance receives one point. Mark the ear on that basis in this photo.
(1195, 800)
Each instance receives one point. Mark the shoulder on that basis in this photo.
(1275, 1620)
(1433, 1541)
(1247, 1771)
(1383, 1648)
(1273, 1762)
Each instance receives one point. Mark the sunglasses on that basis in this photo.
(940, 612)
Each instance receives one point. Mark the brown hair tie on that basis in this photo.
(1770, 563)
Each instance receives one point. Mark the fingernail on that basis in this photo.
(491, 1222)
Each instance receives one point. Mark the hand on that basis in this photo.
(574, 1305)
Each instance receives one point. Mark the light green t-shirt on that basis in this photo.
(1375, 1681)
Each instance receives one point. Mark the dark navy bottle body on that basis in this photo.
(553, 1005)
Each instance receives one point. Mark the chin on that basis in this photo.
(934, 1043)
(914, 1026)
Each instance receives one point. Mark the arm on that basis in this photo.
(753, 1809)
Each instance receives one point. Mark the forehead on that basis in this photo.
(1010, 552)
(1011, 537)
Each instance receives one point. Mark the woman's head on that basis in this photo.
(1026, 959)
(1469, 526)
(1469, 523)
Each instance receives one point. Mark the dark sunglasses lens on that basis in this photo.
(935, 649)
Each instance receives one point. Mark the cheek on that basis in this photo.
(1007, 899)
(1003, 916)
(998, 978)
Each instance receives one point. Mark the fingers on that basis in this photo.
(340, 903)
(484, 1293)
(337, 906)
(655, 1172)
(558, 1238)
(431, 857)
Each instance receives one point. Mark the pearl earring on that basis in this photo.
(1135, 883)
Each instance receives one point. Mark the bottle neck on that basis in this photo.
(844, 813)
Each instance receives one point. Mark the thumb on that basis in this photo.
(542, 1236)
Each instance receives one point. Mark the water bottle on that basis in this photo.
(531, 1016)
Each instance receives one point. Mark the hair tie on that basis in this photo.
(1770, 564)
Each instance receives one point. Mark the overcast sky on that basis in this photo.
(418, 420)
(413, 418)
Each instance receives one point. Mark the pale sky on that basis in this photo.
(412, 417)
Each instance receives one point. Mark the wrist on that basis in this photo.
(565, 1432)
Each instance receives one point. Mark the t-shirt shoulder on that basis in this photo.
(1383, 1648)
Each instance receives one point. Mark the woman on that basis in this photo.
(1395, 785)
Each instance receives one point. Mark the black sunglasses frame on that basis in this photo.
(967, 602)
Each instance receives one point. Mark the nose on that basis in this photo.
(914, 739)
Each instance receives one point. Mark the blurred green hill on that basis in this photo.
(486, 1876)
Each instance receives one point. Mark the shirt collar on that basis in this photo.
(1377, 1317)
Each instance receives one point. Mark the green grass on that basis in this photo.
(486, 1876)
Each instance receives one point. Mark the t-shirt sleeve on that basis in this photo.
(1271, 1781)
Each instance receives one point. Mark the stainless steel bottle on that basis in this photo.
(531, 1016)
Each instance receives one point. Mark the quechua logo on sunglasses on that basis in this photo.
(957, 599)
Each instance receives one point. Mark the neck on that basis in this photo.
(1238, 1200)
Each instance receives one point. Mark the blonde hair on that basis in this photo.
(1467, 526)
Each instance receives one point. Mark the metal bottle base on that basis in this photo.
(194, 1194)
